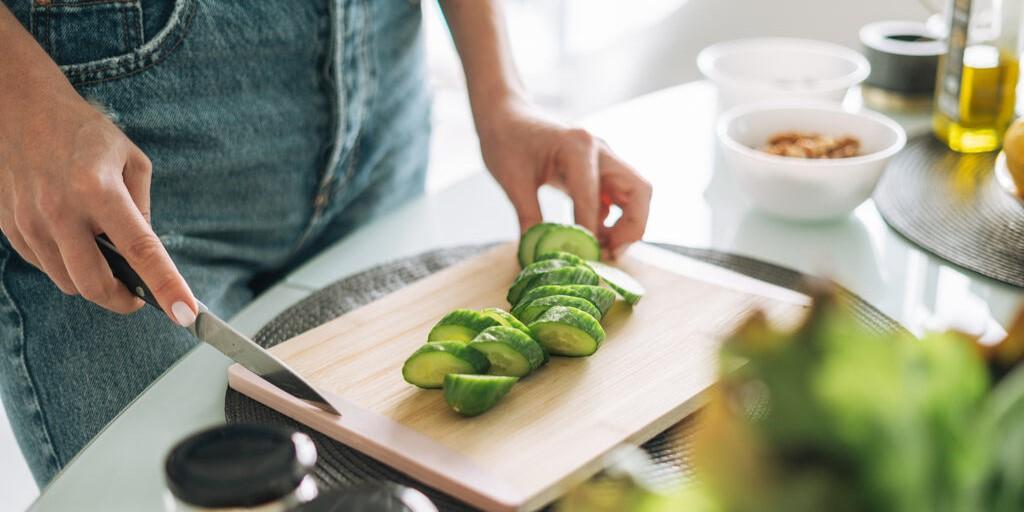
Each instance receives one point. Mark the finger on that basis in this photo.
(523, 196)
(46, 252)
(579, 164)
(135, 239)
(90, 272)
(138, 174)
(632, 194)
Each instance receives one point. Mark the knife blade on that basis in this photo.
(210, 329)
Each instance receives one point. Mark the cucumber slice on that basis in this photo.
(571, 239)
(427, 366)
(617, 279)
(470, 395)
(527, 275)
(528, 242)
(530, 311)
(567, 331)
(510, 351)
(561, 255)
(564, 276)
(505, 318)
(603, 298)
(461, 325)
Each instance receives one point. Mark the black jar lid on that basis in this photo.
(238, 465)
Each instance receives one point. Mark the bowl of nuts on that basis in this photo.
(807, 160)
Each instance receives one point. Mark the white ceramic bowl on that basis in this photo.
(749, 70)
(800, 188)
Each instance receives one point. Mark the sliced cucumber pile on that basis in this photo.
(557, 308)
(471, 395)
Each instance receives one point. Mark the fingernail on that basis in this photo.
(183, 314)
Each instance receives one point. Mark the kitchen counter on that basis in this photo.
(668, 136)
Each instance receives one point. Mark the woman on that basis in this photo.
(220, 144)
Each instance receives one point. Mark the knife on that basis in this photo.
(211, 329)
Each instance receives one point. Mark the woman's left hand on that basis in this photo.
(524, 150)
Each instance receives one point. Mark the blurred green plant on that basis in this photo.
(835, 416)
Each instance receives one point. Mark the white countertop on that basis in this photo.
(667, 136)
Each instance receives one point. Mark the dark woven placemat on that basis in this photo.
(951, 205)
(340, 466)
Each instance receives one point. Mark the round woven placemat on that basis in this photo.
(951, 205)
(341, 466)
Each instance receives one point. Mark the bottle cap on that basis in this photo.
(238, 465)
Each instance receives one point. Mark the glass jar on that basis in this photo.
(240, 468)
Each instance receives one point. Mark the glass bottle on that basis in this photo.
(975, 92)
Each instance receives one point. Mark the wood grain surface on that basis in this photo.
(554, 427)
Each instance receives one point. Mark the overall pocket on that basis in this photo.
(99, 40)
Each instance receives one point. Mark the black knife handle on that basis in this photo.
(124, 272)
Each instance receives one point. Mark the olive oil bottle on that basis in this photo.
(975, 94)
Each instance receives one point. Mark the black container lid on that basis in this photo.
(238, 465)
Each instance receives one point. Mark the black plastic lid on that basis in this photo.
(238, 465)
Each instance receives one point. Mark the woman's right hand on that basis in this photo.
(67, 174)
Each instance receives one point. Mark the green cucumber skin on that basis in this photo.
(575, 275)
(472, 321)
(528, 312)
(561, 255)
(415, 371)
(567, 321)
(505, 318)
(572, 239)
(617, 279)
(519, 342)
(528, 242)
(472, 395)
(529, 273)
(603, 298)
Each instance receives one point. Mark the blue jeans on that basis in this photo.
(274, 128)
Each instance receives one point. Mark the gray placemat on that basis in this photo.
(951, 205)
(340, 466)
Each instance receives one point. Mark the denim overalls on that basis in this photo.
(274, 126)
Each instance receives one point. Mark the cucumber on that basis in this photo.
(603, 298)
(561, 255)
(563, 276)
(505, 318)
(617, 279)
(530, 311)
(571, 239)
(528, 242)
(470, 395)
(567, 331)
(510, 351)
(530, 272)
(427, 366)
(461, 325)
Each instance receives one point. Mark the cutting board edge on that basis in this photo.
(500, 496)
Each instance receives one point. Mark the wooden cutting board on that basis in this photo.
(554, 427)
